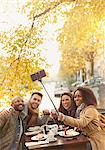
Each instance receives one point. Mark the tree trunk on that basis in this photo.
(92, 67)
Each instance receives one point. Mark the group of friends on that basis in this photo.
(77, 110)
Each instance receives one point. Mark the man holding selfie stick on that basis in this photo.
(32, 109)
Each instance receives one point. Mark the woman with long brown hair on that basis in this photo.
(67, 105)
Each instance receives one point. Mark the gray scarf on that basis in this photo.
(79, 109)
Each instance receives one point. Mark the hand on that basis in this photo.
(54, 114)
(46, 112)
(61, 117)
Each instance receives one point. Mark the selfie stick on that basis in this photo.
(48, 96)
(38, 76)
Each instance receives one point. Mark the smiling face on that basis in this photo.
(35, 101)
(66, 101)
(18, 103)
(78, 98)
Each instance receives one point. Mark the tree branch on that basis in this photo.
(43, 13)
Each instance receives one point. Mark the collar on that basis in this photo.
(82, 106)
(22, 114)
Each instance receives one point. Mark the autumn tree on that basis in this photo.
(22, 44)
(77, 45)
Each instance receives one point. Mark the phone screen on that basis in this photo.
(38, 75)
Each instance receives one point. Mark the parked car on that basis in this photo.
(59, 91)
(87, 82)
(92, 81)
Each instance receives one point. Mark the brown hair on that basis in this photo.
(87, 95)
(72, 108)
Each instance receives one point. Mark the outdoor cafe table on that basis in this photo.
(62, 143)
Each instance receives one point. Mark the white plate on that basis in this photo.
(37, 138)
(29, 144)
(33, 132)
(53, 140)
(36, 128)
(69, 133)
(62, 127)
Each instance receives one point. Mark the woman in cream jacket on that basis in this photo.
(89, 118)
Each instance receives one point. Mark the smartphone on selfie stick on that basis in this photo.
(38, 76)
